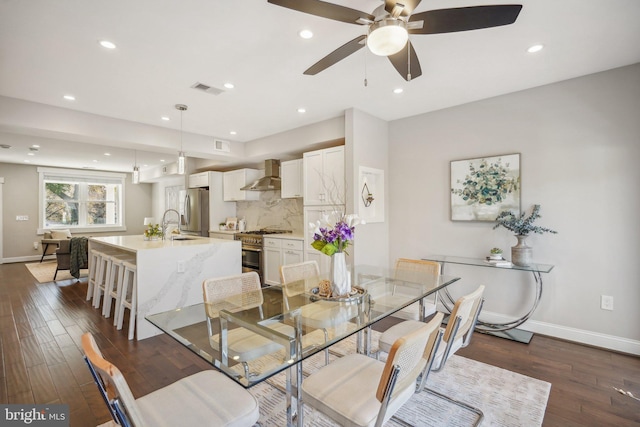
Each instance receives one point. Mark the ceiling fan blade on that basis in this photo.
(409, 6)
(337, 55)
(326, 10)
(400, 63)
(465, 18)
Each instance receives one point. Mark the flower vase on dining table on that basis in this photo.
(340, 278)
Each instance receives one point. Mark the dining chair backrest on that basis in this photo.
(242, 291)
(292, 273)
(408, 353)
(412, 270)
(111, 382)
(466, 308)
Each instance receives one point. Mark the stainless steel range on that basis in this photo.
(252, 249)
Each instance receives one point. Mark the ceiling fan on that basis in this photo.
(390, 24)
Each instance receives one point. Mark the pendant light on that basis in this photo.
(181, 158)
(135, 177)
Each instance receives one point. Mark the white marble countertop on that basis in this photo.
(137, 243)
(224, 231)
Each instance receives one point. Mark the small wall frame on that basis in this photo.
(370, 194)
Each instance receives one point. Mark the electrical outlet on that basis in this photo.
(180, 266)
(22, 218)
(606, 302)
(35, 245)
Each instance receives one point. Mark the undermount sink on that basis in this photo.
(183, 238)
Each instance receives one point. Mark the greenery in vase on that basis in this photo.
(153, 231)
(487, 184)
(496, 251)
(522, 225)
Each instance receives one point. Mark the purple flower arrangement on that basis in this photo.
(330, 238)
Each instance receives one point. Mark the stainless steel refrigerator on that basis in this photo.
(194, 211)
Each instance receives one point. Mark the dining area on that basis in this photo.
(312, 352)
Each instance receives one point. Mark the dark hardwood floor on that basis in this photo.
(41, 359)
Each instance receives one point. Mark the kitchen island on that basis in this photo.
(170, 272)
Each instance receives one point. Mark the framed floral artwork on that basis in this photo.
(482, 188)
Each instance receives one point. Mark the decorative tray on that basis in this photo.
(356, 294)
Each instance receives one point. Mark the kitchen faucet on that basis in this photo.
(165, 222)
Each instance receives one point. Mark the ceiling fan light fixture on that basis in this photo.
(387, 36)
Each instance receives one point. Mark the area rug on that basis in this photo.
(506, 398)
(43, 272)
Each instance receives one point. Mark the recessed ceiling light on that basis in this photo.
(302, 110)
(229, 85)
(305, 34)
(107, 154)
(107, 44)
(95, 161)
(35, 146)
(535, 48)
(165, 118)
(233, 132)
(31, 154)
(27, 161)
(398, 90)
(69, 97)
(162, 160)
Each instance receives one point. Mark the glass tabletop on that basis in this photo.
(311, 324)
(480, 262)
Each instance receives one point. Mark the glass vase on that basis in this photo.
(340, 278)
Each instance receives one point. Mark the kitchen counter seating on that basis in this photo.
(169, 273)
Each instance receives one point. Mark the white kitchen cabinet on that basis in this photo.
(279, 252)
(235, 180)
(291, 175)
(198, 180)
(323, 177)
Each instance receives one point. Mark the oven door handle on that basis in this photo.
(252, 249)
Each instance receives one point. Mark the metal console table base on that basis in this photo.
(507, 330)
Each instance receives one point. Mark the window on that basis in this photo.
(80, 200)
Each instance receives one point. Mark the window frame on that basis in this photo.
(70, 174)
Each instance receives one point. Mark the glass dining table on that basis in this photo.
(311, 324)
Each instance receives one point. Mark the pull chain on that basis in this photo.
(408, 61)
(366, 41)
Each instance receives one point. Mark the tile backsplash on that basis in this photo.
(273, 212)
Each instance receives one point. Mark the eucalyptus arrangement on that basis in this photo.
(522, 225)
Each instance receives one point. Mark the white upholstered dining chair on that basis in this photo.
(321, 315)
(234, 293)
(207, 398)
(456, 335)
(357, 390)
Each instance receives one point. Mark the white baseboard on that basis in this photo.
(610, 342)
(27, 258)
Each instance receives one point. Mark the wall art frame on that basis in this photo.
(370, 197)
(482, 187)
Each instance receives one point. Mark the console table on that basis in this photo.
(508, 329)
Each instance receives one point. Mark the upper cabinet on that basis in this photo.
(235, 180)
(198, 180)
(323, 177)
(291, 174)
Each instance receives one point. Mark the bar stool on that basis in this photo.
(114, 281)
(128, 297)
(102, 276)
(93, 272)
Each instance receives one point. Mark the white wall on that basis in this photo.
(580, 145)
(366, 144)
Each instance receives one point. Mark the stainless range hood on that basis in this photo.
(270, 180)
